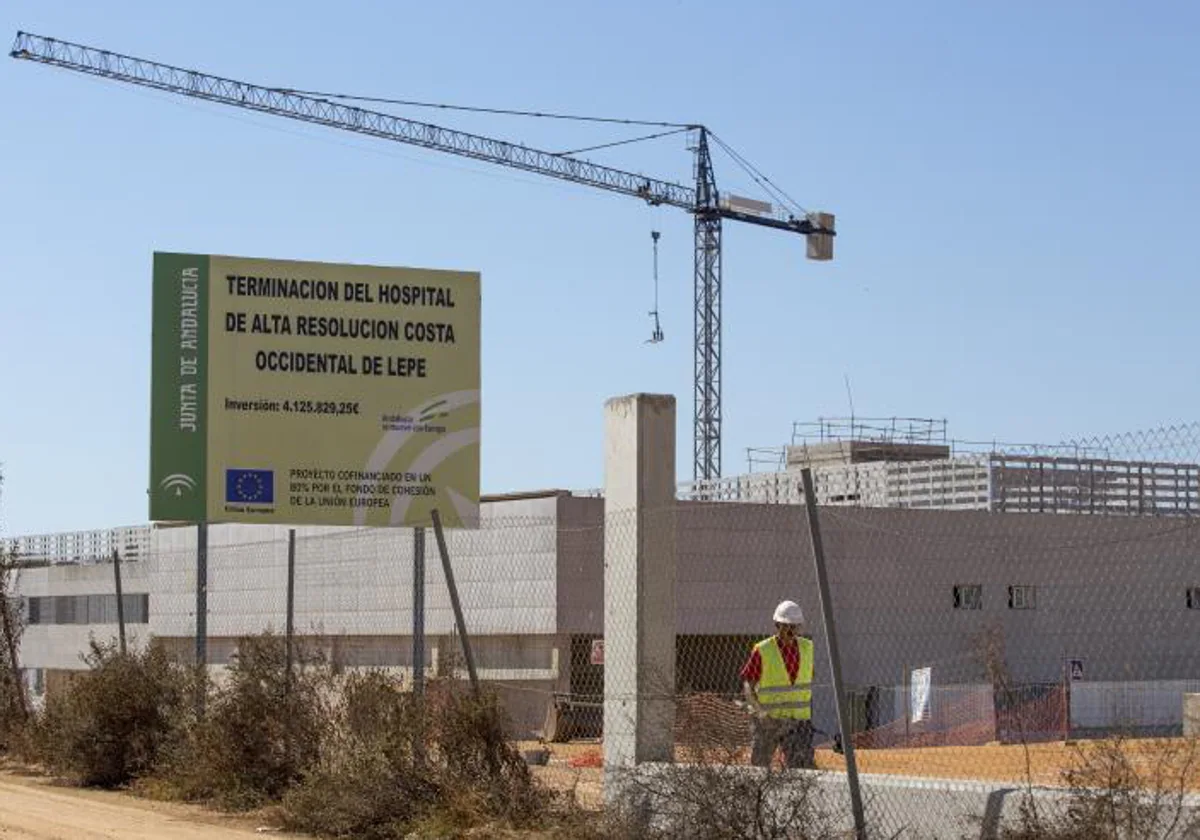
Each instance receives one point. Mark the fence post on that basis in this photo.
(418, 642)
(835, 662)
(120, 600)
(440, 535)
(1066, 701)
(418, 635)
(201, 614)
(289, 626)
(202, 594)
(639, 585)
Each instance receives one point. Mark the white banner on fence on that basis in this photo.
(918, 688)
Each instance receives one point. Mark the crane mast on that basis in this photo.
(706, 461)
(703, 200)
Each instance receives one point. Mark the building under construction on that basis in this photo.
(912, 463)
(928, 543)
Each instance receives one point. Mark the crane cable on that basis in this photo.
(479, 110)
(760, 179)
(622, 142)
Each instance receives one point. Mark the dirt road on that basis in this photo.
(33, 809)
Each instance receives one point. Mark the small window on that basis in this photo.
(81, 609)
(1193, 597)
(101, 609)
(968, 596)
(137, 608)
(64, 610)
(1021, 598)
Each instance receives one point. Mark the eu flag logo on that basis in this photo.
(250, 487)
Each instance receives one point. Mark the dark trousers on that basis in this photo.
(793, 736)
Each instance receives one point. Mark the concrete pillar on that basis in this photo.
(1191, 716)
(639, 581)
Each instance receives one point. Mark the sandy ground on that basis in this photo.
(1045, 763)
(999, 763)
(33, 808)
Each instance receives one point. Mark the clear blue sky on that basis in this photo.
(1015, 183)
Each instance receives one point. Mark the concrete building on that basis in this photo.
(911, 463)
(1099, 614)
(911, 588)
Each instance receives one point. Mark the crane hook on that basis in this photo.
(657, 335)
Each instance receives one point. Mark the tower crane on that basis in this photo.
(707, 205)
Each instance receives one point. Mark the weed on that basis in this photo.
(261, 729)
(110, 725)
(14, 705)
(1118, 789)
(398, 763)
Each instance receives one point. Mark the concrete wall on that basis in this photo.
(1109, 591)
(59, 646)
(580, 595)
(1191, 715)
(923, 808)
(1103, 705)
(359, 581)
(353, 596)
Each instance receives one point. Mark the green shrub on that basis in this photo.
(14, 702)
(13, 717)
(109, 725)
(260, 731)
(396, 765)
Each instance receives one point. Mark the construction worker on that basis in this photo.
(777, 681)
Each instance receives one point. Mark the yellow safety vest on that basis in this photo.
(778, 695)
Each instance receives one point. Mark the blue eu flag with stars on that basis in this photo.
(250, 487)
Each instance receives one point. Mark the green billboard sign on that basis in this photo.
(291, 392)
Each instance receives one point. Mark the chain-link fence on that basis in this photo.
(990, 655)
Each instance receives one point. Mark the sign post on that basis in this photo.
(1074, 674)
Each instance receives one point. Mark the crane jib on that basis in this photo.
(286, 103)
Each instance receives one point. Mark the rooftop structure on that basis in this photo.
(80, 547)
(912, 463)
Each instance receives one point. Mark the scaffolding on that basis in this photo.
(886, 430)
(912, 462)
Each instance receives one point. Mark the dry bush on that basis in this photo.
(14, 704)
(261, 729)
(13, 710)
(1121, 790)
(722, 802)
(111, 724)
(1117, 788)
(713, 795)
(397, 765)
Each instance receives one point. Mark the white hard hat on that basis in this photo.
(789, 612)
